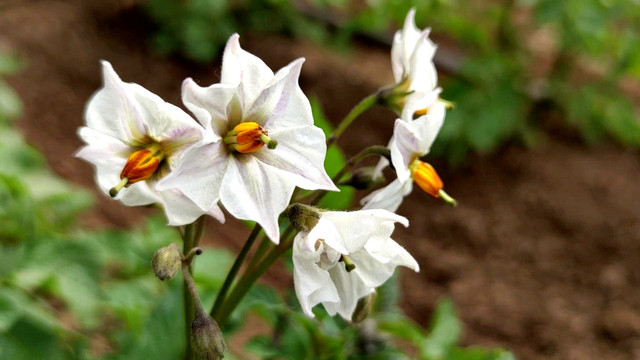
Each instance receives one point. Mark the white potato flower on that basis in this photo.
(134, 139)
(249, 108)
(344, 257)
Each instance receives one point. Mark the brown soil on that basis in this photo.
(540, 257)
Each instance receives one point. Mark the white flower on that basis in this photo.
(133, 139)
(412, 57)
(338, 239)
(251, 107)
(411, 140)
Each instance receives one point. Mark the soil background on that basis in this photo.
(540, 257)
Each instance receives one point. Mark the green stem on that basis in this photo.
(362, 106)
(370, 151)
(252, 274)
(190, 238)
(234, 271)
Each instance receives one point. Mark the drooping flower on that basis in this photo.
(344, 257)
(412, 55)
(412, 139)
(249, 108)
(134, 139)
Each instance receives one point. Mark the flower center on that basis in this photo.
(248, 137)
(140, 166)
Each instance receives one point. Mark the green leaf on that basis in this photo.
(444, 331)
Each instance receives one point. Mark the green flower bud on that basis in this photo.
(167, 261)
(303, 217)
(206, 338)
(363, 308)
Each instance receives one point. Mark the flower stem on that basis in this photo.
(362, 106)
(190, 239)
(234, 271)
(369, 151)
(253, 272)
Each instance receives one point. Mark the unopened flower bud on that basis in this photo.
(303, 217)
(364, 308)
(248, 137)
(363, 178)
(206, 338)
(167, 261)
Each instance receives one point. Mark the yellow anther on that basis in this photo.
(248, 137)
(429, 181)
(426, 177)
(140, 166)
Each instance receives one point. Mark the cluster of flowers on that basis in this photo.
(148, 151)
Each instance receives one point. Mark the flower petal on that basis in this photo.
(209, 105)
(375, 265)
(242, 68)
(252, 190)
(113, 109)
(199, 173)
(300, 152)
(389, 197)
(350, 289)
(356, 227)
(313, 285)
(179, 209)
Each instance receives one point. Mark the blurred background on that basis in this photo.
(541, 152)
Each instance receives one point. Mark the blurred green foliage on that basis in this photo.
(496, 83)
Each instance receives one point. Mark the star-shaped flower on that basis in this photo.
(249, 108)
(344, 257)
(134, 139)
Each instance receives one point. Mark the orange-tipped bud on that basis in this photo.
(248, 137)
(426, 177)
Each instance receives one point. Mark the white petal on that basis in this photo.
(375, 266)
(179, 209)
(356, 227)
(405, 147)
(397, 57)
(167, 124)
(209, 105)
(199, 173)
(423, 74)
(301, 152)
(389, 197)
(252, 190)
(410, 33)
(313, 285)
(326, 230)
(350, 288)
(269, 106)
(247, 70)
(113, 109)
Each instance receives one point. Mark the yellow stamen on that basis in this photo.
(248, 137)
(140, 166)
(426, 177)
(429, 181)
